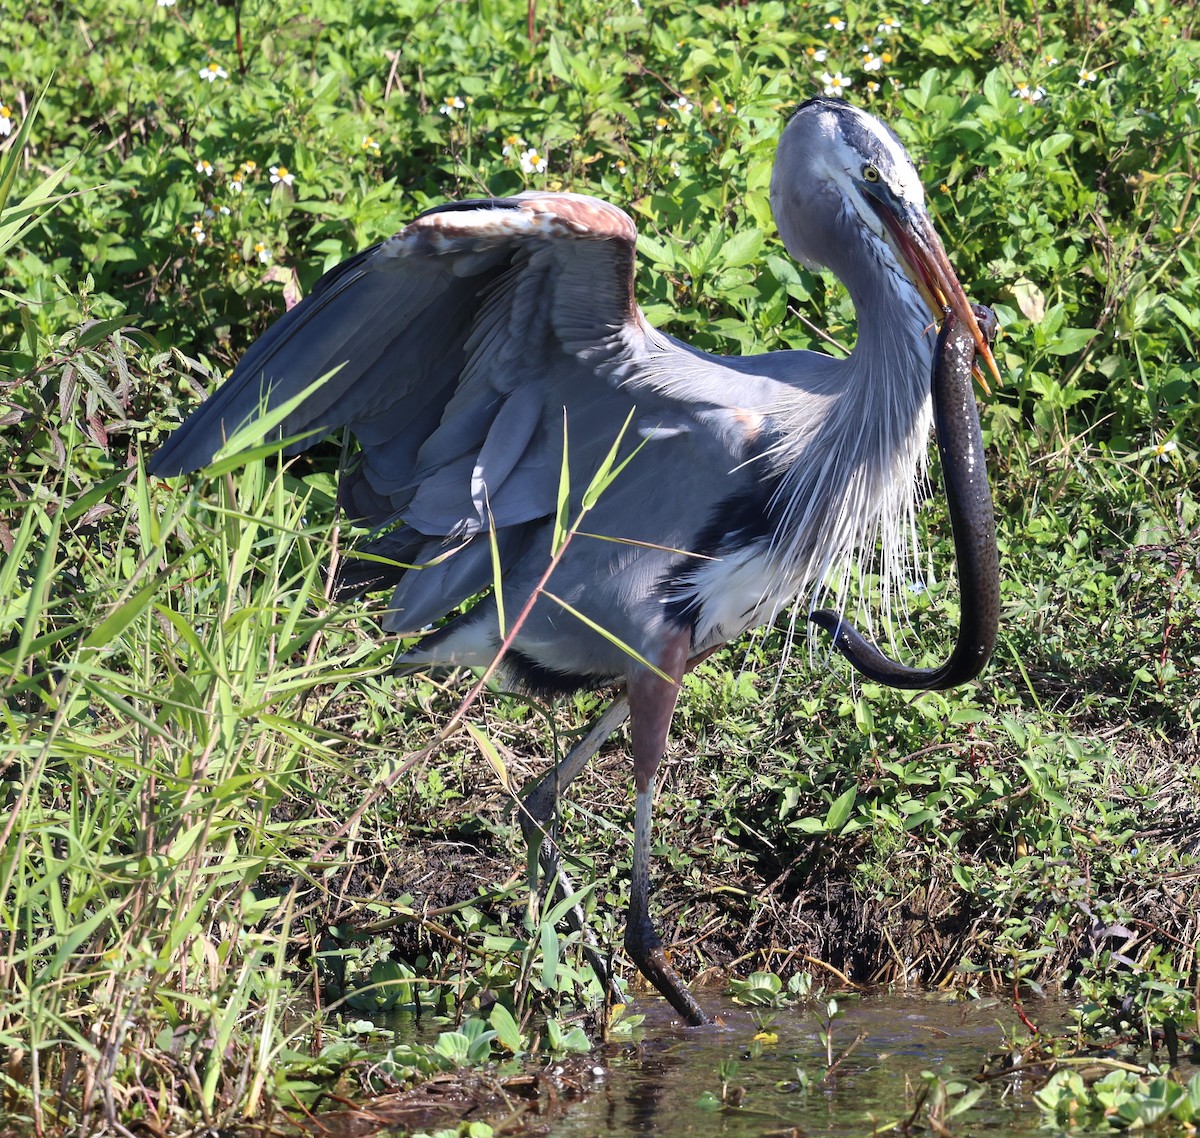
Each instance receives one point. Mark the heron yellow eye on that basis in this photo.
(870, 174)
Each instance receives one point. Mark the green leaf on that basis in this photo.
(123, 616)
(549, 939)
(1047, 148)
(495, 761)
(246, 444)
(809, 825)
(561, 907)
(1070, 340)
(937, 44)
(607, 470)
(997, 90)
(95, 331)
(840, 810)
(656, 252)
(920, 818)
(967, 1100)
(497, 575)
(508, 1034)
(742, 248)
(558, 537)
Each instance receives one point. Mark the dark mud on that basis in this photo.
(527, 1103)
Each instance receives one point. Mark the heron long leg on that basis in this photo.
(652, 704)
(537, 813)
(538, 801)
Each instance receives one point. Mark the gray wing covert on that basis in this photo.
(435, 338)
(449, 345)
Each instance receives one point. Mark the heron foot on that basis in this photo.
(646, 951)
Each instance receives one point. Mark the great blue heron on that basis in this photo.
(490, 338)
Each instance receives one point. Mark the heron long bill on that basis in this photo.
(919, 250)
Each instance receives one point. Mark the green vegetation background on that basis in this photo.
(217, 798)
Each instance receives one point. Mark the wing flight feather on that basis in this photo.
(459, 344)
(449, 312)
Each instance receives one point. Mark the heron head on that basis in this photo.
(847, 197)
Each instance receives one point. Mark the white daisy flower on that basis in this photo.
(532, 162)
(836, 84)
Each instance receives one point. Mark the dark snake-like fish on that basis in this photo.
(960, 444)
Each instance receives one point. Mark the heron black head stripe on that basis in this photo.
(862, 133)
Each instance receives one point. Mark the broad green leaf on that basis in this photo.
(508, 1034)
(1070, 340)
(840, 810)
(742, 248)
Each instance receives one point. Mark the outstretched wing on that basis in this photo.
(460, 344)
(438, 322)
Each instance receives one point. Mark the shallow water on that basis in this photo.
(658, 1085)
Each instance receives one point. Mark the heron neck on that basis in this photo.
(896, 338)
(853, 478)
